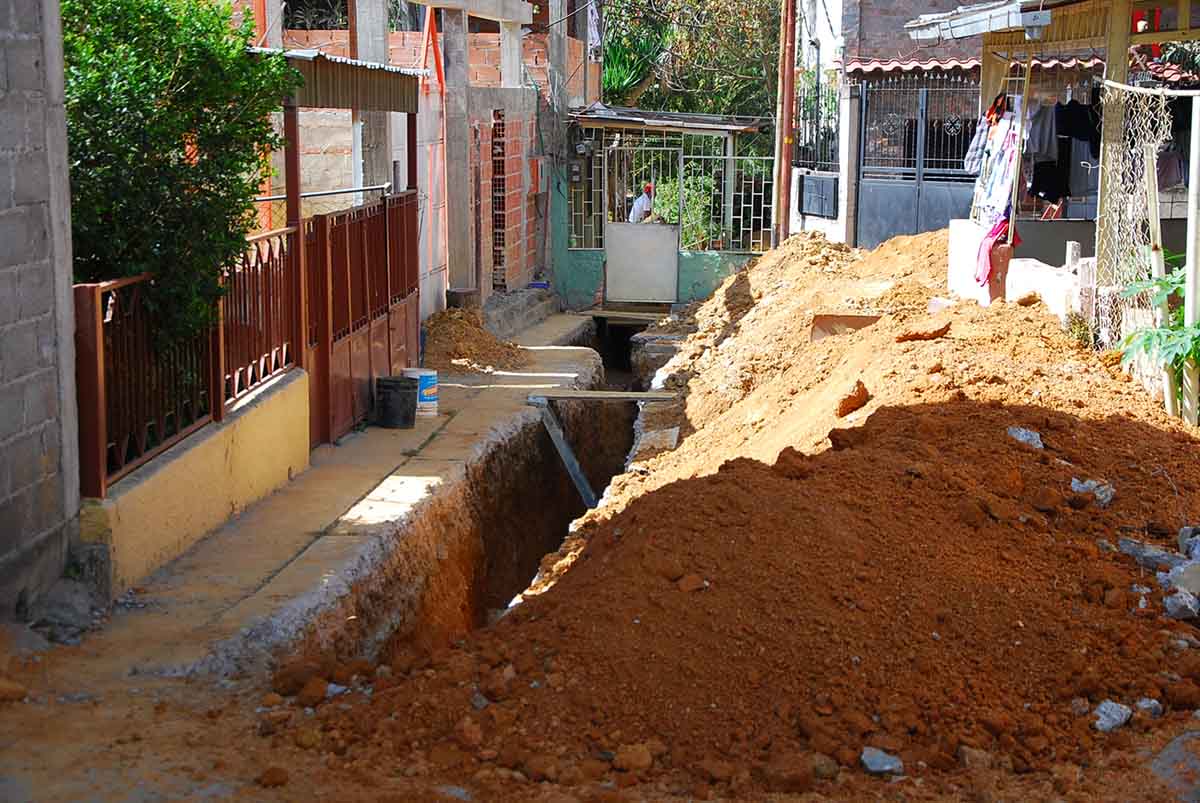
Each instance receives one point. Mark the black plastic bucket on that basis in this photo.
(396, 402)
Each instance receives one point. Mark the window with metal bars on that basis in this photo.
(499, 204)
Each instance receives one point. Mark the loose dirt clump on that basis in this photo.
(456, 340)
(798, 581)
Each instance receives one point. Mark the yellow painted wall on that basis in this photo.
(156, 513)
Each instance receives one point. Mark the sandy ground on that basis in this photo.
(847, 550)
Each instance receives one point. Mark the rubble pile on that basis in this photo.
(456, 340)
(938, 545)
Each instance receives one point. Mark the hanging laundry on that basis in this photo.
(1170, 170)
(1084, 176)
(985, 262)
(994, 186)
(973, 161)
(1080, 122)
(1042, 140)
(1049, 182)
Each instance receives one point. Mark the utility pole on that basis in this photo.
(787, 121)
(779, 204)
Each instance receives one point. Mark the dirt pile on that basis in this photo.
(456, 340)
(789, 586)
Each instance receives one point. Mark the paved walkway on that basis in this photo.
(286, 553)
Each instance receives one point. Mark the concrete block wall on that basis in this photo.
(483, 64)
(326, 148)
(39, 465)
(326, 143)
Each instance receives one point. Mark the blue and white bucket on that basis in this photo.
(427, 390)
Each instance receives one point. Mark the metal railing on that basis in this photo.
(818, 125)
(272, 209)
(720, 200)
(351, 317)
(258, 313)
(919, 124)
(137, 397)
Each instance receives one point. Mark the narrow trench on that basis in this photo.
(517, 508)
(601, 434)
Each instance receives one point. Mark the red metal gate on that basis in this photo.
(364, 314)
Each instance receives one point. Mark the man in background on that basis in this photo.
(643, 206)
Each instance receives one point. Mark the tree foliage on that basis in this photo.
(169, 126)
(716, 56)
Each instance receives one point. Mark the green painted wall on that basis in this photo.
(579, 274)
(578, 282)
(701, 272)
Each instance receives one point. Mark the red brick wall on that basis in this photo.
(523, 222)
(483, 56)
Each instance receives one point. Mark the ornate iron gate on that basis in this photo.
(915, 133)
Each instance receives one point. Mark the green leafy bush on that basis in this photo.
(169, 126)
(698, 227)
(1173, 343)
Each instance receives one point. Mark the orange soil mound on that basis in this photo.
(456, 340)
(789, 586)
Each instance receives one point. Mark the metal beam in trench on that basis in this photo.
(542, 399)
(564, 451)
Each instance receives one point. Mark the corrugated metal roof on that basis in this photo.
(599, 114)
(965, 22)
(337, 82)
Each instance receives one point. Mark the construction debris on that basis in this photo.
(456, 340)
(1110, 716)
(907, 635)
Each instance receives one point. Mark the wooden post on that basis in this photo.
(89, 380)
(1112, 126)
(780, 157)
(1158, 268)
(788, 120)
(291, 171)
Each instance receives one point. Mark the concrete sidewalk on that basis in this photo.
(258, 584)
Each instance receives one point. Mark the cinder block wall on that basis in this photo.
(39, 464)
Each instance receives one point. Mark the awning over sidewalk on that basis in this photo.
(336, 82)
(600, 115)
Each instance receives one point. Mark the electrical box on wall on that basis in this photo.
(538, 178)
(576, 171)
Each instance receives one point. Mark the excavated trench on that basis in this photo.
(460, 557)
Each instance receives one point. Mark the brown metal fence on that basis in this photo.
(356, 312)
(137, 397)
(363, 314)
(258, 313)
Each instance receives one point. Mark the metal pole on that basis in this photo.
(1191, 297)
(587, 51)
(291, 162)
(777, 173)
(789, 120)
